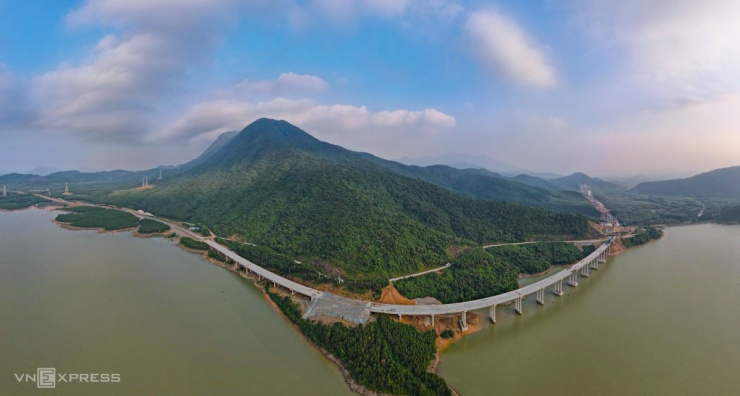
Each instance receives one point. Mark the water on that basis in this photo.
(660, 319)
(168, 322)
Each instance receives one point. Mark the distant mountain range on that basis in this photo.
(464, 161)
(719, 182)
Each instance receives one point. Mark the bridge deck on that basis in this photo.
(379, 307)
(488, 301)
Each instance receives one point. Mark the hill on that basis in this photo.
(482, 184)
(719, 182)
(277, 186)
(569, 183)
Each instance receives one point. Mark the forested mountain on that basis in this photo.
(719, 182)
(568, 183)
(277, 186)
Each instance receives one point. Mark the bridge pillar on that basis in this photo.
(399, 317)
(541, 296)
(432, 320)
(573, 281)
(518, 305)
(558, 290)
(492, 313)
(584, 271)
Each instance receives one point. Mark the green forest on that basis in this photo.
(480, 273)
(95, 217)
(191, 243)
(16, 201)
(148, 226)
(385, 356)
(315, 202)
(645, 235)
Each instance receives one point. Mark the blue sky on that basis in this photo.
(608, 87)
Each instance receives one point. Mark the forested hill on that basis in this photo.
(275, 185)
(719, 182)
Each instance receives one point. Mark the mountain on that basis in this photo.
(574, 181)
(44, 170)
(568, 183)
(719, 182)
(463, 161)
(217, 144)
(482, 184)
(277, 186)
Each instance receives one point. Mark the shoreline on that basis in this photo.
(441, 344)
(346, 375)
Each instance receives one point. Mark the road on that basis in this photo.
(358, 310)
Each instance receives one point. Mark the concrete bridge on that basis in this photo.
(359, 311)
(581, 269)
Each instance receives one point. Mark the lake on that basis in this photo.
(663, 318)
(162, 318)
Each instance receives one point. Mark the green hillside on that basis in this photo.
(719, 182)
(275, 185)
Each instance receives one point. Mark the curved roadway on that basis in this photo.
(413, 310)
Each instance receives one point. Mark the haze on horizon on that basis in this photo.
(608, 88)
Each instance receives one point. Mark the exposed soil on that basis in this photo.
(392, 296)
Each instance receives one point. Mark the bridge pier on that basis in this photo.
(518, 305)
(573, 281)
(541, 296)
(492, 313)
(584, 271)
(432, 320)
(595, 264)
(464, 321)
(558, 290)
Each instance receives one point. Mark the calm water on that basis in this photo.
(168, 322)
(660, 319)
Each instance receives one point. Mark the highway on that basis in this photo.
(340, 303)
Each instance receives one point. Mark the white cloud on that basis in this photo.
(348, 11)
(387, 8)
(115, 93)
(384, 132)
(285, 83)
(503, 46)
(685, 49)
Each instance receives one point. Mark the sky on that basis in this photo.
(610, 88)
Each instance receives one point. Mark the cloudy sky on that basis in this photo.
(606, 87)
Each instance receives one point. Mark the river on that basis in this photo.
(658, 319)
(162, 318)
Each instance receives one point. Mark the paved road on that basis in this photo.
(334, 303)
(421, 273)
(488, 301)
